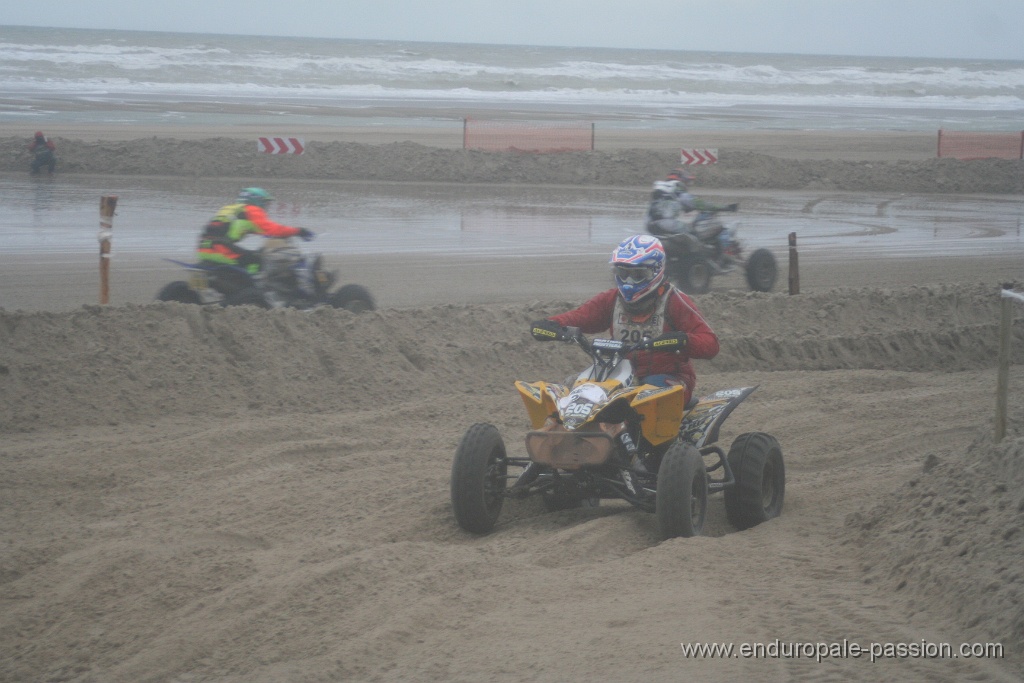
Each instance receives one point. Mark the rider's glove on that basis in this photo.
(732, 207)
(548, 330)
(669, 341)
(305, 234)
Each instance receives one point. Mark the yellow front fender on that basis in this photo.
(660, 408)
(539, 401)
(661, 412)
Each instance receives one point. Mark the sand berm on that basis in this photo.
(406, 161)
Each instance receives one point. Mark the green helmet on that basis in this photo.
(255, 195)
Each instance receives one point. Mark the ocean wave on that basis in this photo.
(113, 66)
(386, 66)
(633, 98)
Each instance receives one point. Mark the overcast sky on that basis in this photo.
(916, 28)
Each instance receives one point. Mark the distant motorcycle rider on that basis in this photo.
(643, 303)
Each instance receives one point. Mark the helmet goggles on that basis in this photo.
(634, 275)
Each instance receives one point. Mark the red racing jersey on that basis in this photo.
(600, 314)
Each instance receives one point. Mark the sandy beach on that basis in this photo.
(208, 494)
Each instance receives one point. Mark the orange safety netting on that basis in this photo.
(963, 145)
(527, 136)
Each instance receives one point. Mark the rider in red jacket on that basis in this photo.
(644, 303)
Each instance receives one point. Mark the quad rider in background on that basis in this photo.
(671, 198)
(220, 240)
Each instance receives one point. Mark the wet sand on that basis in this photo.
(425, 245)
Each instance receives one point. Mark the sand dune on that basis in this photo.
(242, 495)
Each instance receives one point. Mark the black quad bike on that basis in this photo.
(287, 278)
(606, 436)
(707, 248)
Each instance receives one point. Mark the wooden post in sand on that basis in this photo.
(794, 266)
(1003, 378)
(107, 205)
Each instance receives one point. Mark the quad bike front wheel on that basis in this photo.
(682, 500)
(178, 291)
(756, 462)
(694, 274)
(479, 477)
(355, 298)
(761, 271)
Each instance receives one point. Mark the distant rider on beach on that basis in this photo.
(44, 153)
(219, 242)
(670, 198)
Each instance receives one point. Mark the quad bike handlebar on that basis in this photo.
(549, 330)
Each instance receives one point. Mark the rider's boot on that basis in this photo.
(273, 299)
(304, 278)
(271, 296)
(630, 481)
(629, 457)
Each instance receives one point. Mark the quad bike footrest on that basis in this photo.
(727, 480)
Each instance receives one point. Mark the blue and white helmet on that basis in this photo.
(639, 267)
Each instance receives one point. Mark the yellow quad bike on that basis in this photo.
(603, 435)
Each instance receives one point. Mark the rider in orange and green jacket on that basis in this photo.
(220, 238)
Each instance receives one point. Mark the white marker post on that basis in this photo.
(1007, 299)
(107, 205)
(794, 266)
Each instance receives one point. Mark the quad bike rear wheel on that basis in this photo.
(178, 291)
(756, 462)
(761, 271)
(355, 298)
(682, 500)
(479, 478)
